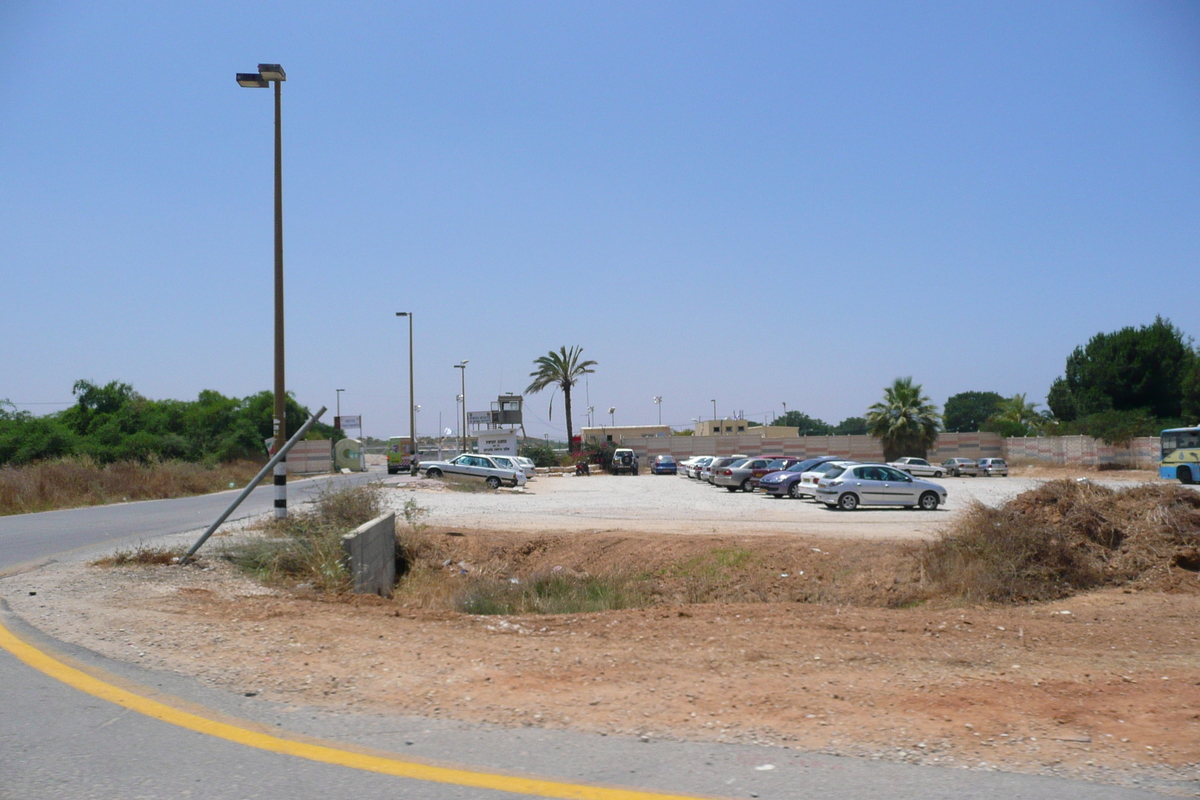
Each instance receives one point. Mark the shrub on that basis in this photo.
(540, 452)
(307, 546)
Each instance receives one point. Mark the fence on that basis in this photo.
(1083, 451)
(308, 457)
(1074, 451)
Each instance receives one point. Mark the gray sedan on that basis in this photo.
(877, 485)
(473, 465)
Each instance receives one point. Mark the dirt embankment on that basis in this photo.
(1104, 686)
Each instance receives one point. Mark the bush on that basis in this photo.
(307, 546)
(540, 452)
(1063, 537)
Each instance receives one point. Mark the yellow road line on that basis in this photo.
(329, 755)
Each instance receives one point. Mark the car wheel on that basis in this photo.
(794, 491)
(929, 501)
(937, 474)
(731, 488)
(848, 502)
(493, 482)
(746, 487)
(1184, 474)
(433, 473)
(957, 473)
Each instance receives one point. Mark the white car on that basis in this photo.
(474, 465)
(695, 465)
(917, 466)
(516, 463)
(807, 485)
(877, 485)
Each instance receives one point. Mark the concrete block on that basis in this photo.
(370, 551)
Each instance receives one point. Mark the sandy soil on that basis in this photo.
(1104, 686)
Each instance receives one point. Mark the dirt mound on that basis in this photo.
(1066, 536)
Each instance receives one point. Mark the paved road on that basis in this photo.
(57, 741)
(31, 538)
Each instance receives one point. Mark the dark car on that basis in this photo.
(664, 465)
(776, 465)
(785, 482)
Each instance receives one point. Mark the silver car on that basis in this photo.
(740, 474)
(708, 473)
(473, 465)
(961, 466)
(807, 485)
(877, 485)
(992, 466)
(917, 466)
(515, 463)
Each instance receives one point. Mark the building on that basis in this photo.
(721, 427)
(614, 434)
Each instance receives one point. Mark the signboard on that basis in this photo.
(479, 418)
(351, 422)
(502, 443)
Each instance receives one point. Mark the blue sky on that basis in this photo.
(758, 203)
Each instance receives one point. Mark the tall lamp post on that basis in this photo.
(714, 402)
(612, 416)
(266, 75)
(339, 407)
(412, 402)
(658, 402)
(463, 366)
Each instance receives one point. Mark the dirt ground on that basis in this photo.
(1104, 686)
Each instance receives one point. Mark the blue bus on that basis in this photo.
(1180, 455)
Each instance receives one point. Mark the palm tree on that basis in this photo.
(905, 422)
(1016, 417)
(561, 369)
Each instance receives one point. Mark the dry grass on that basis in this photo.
(514, 573)
(80, 481)
(1068, 536)
(141, 556)
(306, 547)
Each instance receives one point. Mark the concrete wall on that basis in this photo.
(370, 552)
(1074, 451)
(1083, 451)
(859, 448)
(600, 433)
(310, 457)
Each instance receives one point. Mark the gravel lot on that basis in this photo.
(671, 504)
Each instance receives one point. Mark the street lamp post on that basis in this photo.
(658, 402)
(714, 402)
(463, 366)
(338, 418)
(412, 409)
(266, 75)
(612, 416)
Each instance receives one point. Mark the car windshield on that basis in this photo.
(666, 460)
(739, 462)
(834, 472)
(827, 467)
(776, 464)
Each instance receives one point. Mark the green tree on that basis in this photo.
(1191, 393)
(805, 425)
(1016, 417)
(966, 412)
(561, 369)
(905, 421)
(1133, 368)
(851, 426)
(539, 451)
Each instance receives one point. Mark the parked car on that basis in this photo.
(664, 465)
(512, 462)
(745, 474)
(774, 465)
(530, 467)
(694, 464)
(877, 485)
(624, 460)
(807, 487)
(474, 465)
(784, 482)
(960, 466)
(720, 462)
(916, 466)
(993, 466)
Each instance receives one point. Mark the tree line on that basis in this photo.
(112, 423)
